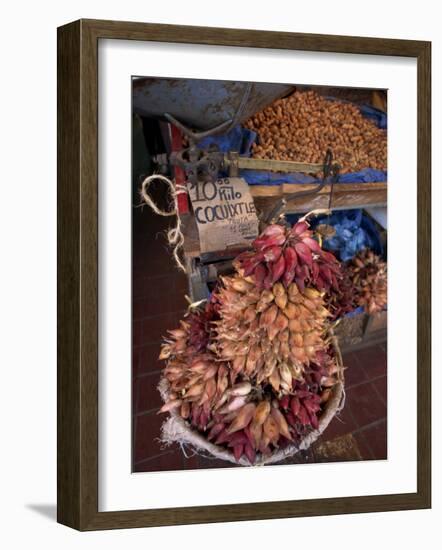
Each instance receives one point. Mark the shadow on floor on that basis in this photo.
(49, 511)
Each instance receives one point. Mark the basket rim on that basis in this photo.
(176, 429)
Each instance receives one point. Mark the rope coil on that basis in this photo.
(175, 236)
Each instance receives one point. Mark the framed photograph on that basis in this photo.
(241, 332)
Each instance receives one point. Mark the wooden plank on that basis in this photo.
(338, 188)
(68, 277)
(276, 165)
(77, 357)
(191, 245)
(345, 195)
(376, 322)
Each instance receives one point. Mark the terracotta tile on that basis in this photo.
(146, 394)
(191, 461)
(376, 437)
(354, 374)
(374, 361)
(148, 361)
(150, 239)
(340, 425)
(135, 360)
(216, 463)
(146, 437)
(171, 288)
(137, 284)
(350, 359)
(168, 461)
(365, 404)
(133, 402)
(155, 328)
(161, 301)
(138, 309)
(181, 284)
(155, 257)
(151, 253)
(381, 387)
(136, 333)
(145, 220)
(363, 446)
(301, 457)
(163, 294)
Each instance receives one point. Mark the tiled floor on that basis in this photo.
(158, 304)
(359, 433)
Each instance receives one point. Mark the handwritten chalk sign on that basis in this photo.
(225, 214)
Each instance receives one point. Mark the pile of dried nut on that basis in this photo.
(304, 125)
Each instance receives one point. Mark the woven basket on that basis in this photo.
(177, 430)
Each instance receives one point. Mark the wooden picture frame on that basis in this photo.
(78, 274)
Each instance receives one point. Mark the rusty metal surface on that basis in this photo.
(270, 165)
(203, 104)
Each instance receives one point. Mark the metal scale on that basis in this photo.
(202, 108)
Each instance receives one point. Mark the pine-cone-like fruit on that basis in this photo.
(260, 421)
(197, 379)
(287, 255)
(341, 300)
(254, 370)
(193, 335)
(368, 274)
(269, 335)
(263, 425)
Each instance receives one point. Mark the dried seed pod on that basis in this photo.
(303, 261)
(243, 418)
(242, 389)
(368, 274)
(261, 412)
(248, 371)
(271, 429)
(281, 329)
(235, 404)
(281, 423)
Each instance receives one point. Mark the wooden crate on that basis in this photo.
(350, 331)
(376, 324)
(344, 196)
(361, 330)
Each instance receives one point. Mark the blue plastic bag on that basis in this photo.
(354, 232)
(376, 115)
(256, 177)
(260, 177)
(238, 139)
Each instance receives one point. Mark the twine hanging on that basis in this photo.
(175, 236)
